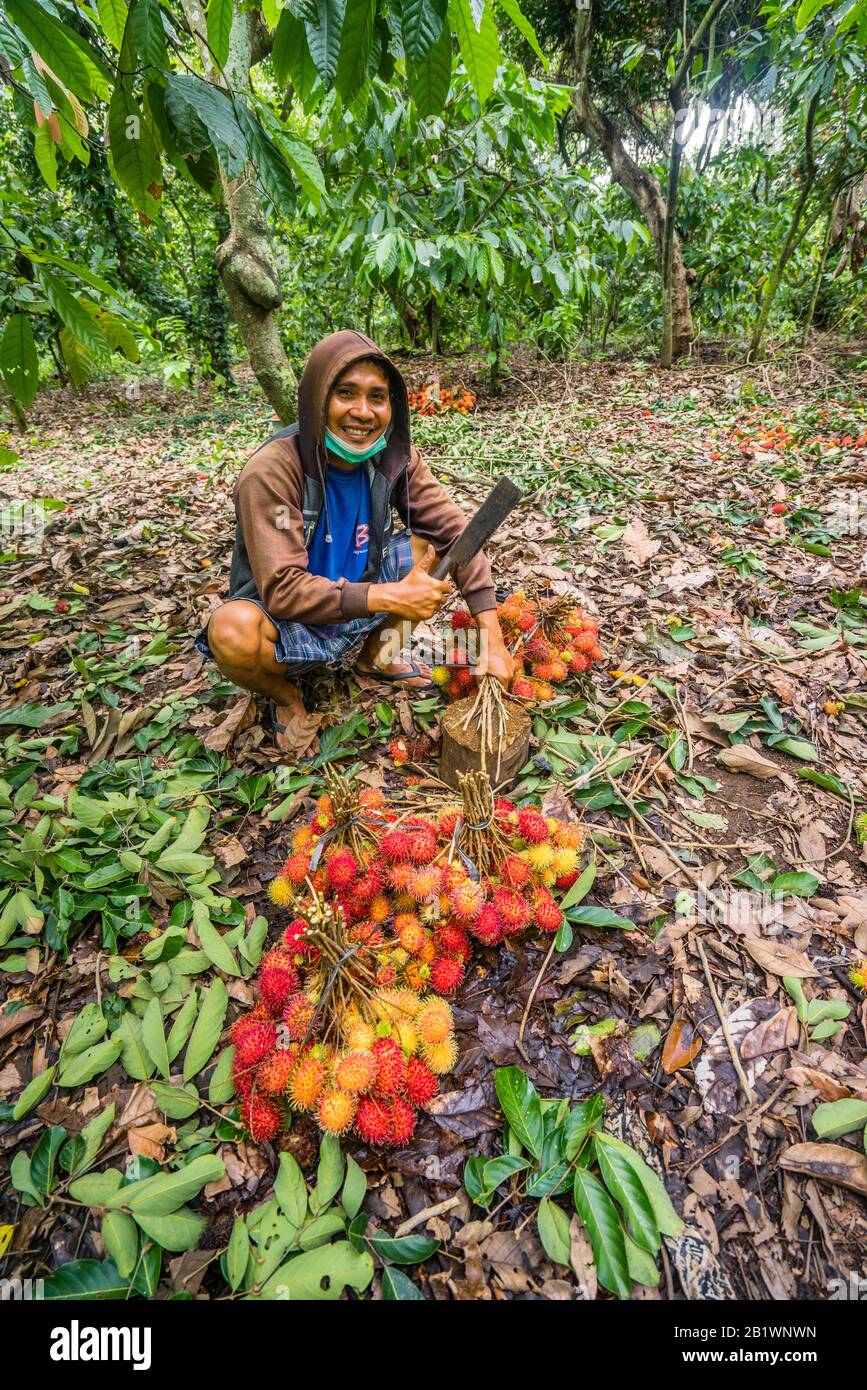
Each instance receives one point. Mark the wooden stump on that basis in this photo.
(462, 752)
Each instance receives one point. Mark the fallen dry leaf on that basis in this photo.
(637, 544)
(682, 1045)
(778, 958)
(829, 1163)
(743, 758)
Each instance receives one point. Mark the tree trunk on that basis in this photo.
(642, 187)
(772, 284)
(245, 259)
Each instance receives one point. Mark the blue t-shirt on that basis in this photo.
(348, 512)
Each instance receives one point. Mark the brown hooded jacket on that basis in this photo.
(279, 493)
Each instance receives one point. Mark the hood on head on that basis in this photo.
(326, 363)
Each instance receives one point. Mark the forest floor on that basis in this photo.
(735, 637)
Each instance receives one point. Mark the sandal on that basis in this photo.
(399, 677)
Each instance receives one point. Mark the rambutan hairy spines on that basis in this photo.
(275, 1072)
(297, 867)
(373, 1120)
(281, 891)
(254, 1043)
(394, 845)
(547, 913)
(400, 876)
(540, 856)
(294, 936)
(441, 1056)
(515, 871)
(307, 1082)
(434, 1020)
(421, 1084)
(342, 869)
(410, 933)
(467, 900)
(276, 982)
(452, 940)
(425, 883)
(336, 1111)
(359, 1035)
(487, 928)
(379, 909)
(446, 973)
(390, 1067)
(262, 1117)
(403, 1121)
(532, 825)
(513, 910)
(422, 844)
(298, 1015)
(355, 1072)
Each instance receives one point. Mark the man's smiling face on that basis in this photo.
(359, 407)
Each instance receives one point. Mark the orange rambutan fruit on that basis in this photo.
(379, 909)
(425, 883)
(359, 1035)
(355, 1071)
(415, 976)
(386, 974)
(336, 1111)
(304, 838)
(434, 1020)
(396, 1003)
(429, 950)
(411, 934)
(373, 798)
(400, 876)
(514, 871)
(523, 689)
(275, 1072)
(296, 866)
(467, 900)
(298, 1014)
(543, 691)
(441, 1056)
(324, 818)
(308, 1081)
(569, 835)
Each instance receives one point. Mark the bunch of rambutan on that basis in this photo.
(551, 641)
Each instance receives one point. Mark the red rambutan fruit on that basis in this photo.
(513, 911)
(421, 1084)
(373, 1120)
(547, 913)
(394, 845)
(446, 973)
(403, 1121)
(487, 928)
(452, 940)
(294, 935)
(298, 1014)
(460, 619)
(276, 983)
(523, 689)
(262, 1117)
(255, 1043)
(425, 883)
(390, 1067)
(342, 869)
(532, 825)
(422, 843)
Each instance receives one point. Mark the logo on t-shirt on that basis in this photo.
(362, 536)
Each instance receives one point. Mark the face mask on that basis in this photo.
(351, 454)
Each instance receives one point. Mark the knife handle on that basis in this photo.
(443, 568)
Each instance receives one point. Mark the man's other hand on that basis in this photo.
(417, 596)
(495, 659)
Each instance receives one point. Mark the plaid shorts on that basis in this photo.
(303, 648)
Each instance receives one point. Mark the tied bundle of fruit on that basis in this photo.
(430, 401)
(327, 1040)
(550, 639)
